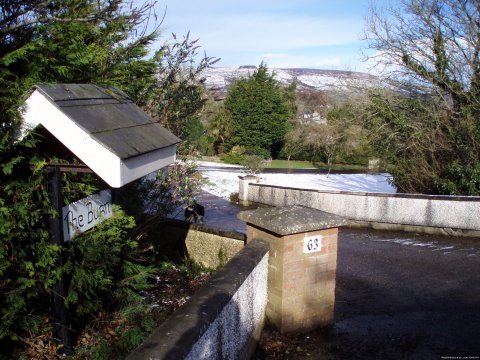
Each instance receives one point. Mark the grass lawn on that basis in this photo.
(293, 164)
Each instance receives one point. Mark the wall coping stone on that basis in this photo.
(175, 337)
(291, 219)
(204, 228)
(248, 177)
(380, 194)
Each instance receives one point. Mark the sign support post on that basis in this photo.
(62, 328)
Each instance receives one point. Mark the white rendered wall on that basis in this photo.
(228, 335)
(455, 212)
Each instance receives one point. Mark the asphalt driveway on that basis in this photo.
(398, 296)
(404, 296)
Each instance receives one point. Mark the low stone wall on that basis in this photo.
(222, 320)
(453, 215)
(205, 245)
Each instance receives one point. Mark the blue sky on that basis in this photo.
(301, 33)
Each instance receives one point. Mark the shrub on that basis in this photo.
(101, 267)
(459, 179)
(177, 185)
(234, 197)
(258, 151)
(235, 156)
(254, 163)
(205, 145)
(27, 258)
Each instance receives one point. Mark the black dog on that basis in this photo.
(195, 212)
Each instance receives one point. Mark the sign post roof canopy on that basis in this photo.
(102, 127)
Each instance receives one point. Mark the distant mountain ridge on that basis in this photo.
(219, 78)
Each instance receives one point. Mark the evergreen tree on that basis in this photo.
(45, 42)
(59, 41)
(260, 110)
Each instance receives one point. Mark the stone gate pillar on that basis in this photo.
(302, 264)
(243, 189)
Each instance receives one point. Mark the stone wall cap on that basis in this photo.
(248, 177)
(291, 219)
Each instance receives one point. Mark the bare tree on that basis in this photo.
(294, 141)
(325, 139)
(432, 44)
(430, 49)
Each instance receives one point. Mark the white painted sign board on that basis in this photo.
(86, 213)
(312, 244)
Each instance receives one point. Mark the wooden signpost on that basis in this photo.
(74, 218)
(62, 326)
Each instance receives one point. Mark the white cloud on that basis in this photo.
(262, 32)
(284, 34)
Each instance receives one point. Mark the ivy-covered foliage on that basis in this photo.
(419, 147)
(408, 138)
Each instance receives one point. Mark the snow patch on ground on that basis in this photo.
(433, 246)
(223, 180)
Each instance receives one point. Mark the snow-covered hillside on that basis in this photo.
(306, 79)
